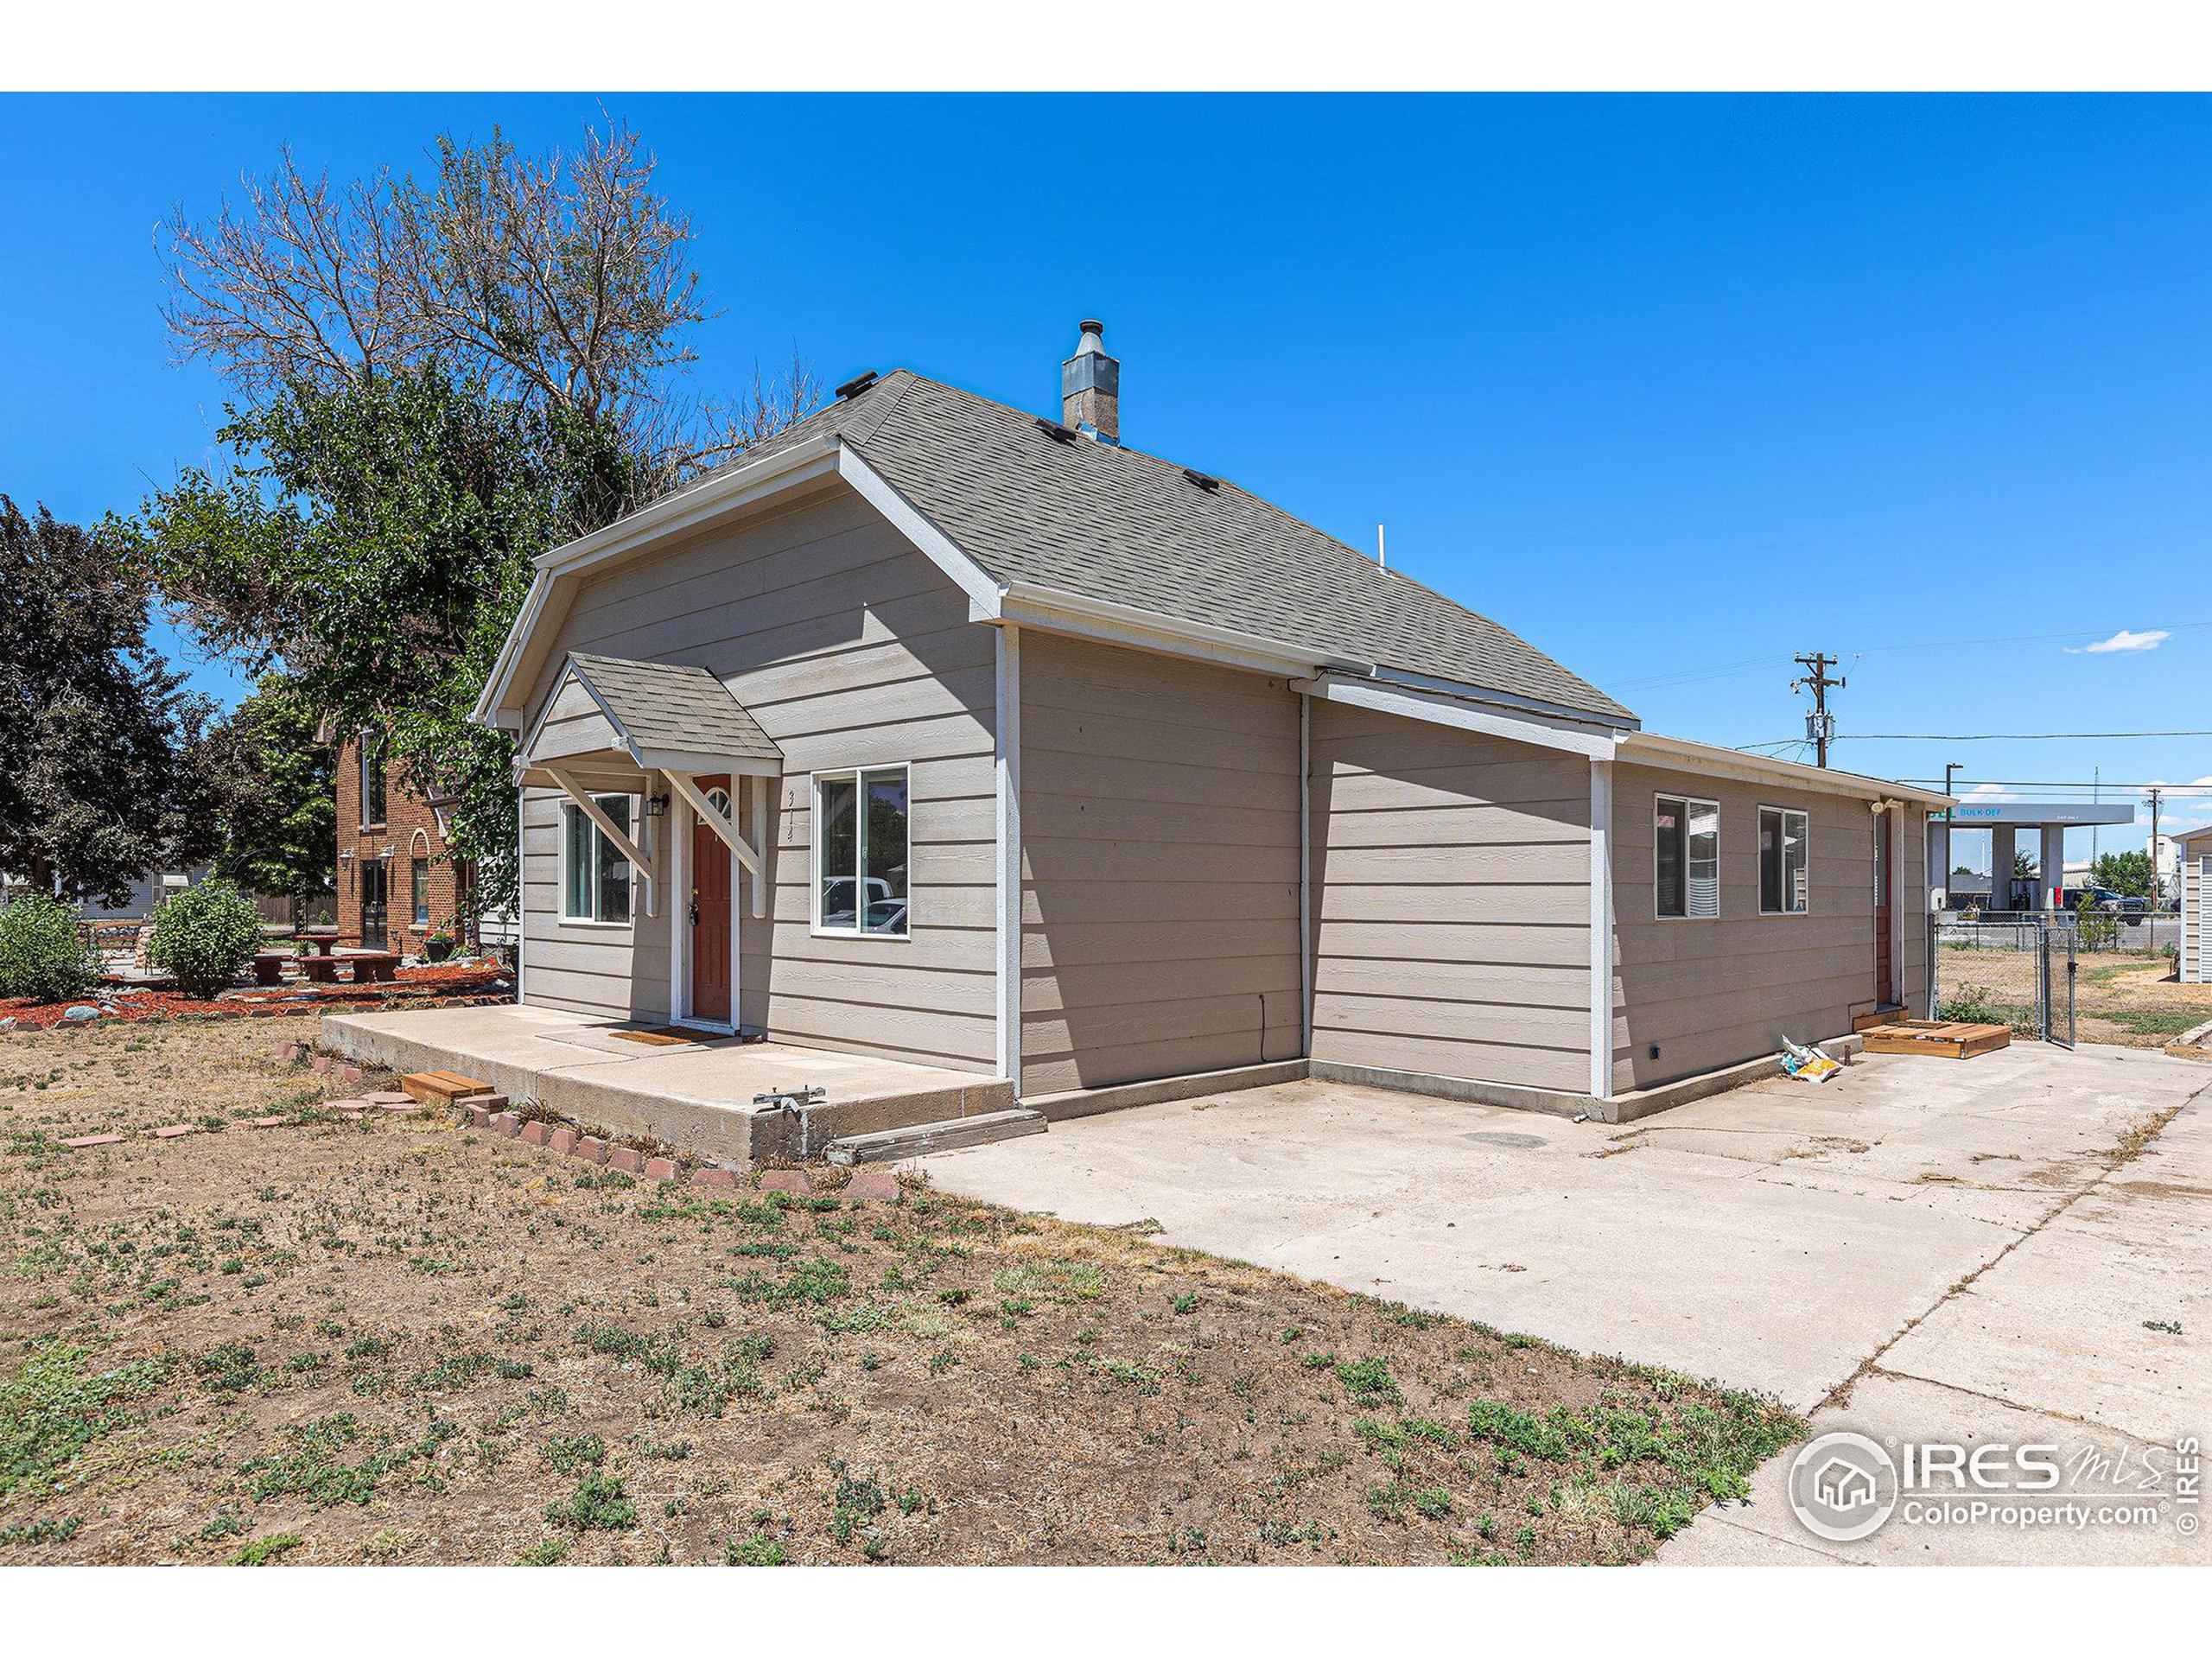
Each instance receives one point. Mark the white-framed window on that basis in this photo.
(370, 750)
(594, 876)
(861, 848)
(1685, 857)
(1785, 861)
(419, 872)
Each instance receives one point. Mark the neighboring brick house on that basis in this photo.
(397, 881)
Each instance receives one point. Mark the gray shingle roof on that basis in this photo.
(1117, 525)
(667, 707)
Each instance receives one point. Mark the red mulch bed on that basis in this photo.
(429, 986)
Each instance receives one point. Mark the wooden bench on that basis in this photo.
(373, 967)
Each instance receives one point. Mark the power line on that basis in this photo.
(2002, 737)
(1715, 670)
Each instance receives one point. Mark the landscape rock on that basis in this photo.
(80, 1011)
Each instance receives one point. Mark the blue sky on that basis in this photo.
(1675, 387)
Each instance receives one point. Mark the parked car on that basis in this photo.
(837, 905)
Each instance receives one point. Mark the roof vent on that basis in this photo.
(1209, 484)
(857, 385)
(1054, 430)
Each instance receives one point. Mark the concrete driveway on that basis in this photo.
(1918, 1247)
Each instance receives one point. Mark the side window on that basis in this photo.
(861, 850)
(1785, 837)
(594, 875)
(421, 894)
(1685, 856)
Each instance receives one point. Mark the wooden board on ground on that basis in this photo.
(1949, 1039)
(658, 1037)
(441, 1088)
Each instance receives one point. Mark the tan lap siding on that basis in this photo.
(1159, 843)
(1451, 876)
(614, 972)
(1710, 992)
(850, 649)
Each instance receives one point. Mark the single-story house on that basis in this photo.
(2194, 850)
(936, 730)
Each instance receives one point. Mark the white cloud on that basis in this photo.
(2125, 639)
(1988, 795)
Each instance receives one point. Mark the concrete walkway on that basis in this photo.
(1918, 1246)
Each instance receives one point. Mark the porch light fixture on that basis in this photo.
(656, 806)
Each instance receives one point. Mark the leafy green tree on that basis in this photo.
(438, 379)
(100, 746)
(377, 541)
(279, 811)
(2127, 873)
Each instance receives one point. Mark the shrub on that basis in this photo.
(42, 955)
(204, 936)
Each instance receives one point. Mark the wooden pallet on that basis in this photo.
(1890, 1014)
(1946, 1039)
(441, 1088)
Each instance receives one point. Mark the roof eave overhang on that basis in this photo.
(1678, 754)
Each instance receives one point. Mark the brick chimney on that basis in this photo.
(1090, 387)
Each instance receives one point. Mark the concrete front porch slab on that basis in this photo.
(698, 1096)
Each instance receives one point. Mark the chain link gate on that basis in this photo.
(2057, 967)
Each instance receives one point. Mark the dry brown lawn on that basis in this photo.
(399, 1342)
(2135, 1001)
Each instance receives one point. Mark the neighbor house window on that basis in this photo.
(1685, 856)
(371, 752)
(860, 851)
(594, 876)
(421, 877)
(1784, 838)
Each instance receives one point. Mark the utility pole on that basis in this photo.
(1819, 726)
(2157, 891)
(1950, 856)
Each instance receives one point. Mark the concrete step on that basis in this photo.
(916, 1140)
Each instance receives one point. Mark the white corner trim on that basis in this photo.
(983, 590)
(1305, 875)
(1601, 929)
(1596, 742)
(1009, 769)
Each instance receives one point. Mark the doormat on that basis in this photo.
(660, 1037)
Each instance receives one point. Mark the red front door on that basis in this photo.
(1885, 849)
(710, 913)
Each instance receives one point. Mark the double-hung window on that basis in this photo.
(371, 752)
(1685, 856)
(861, 850)
(1785, 838)
(594, 875)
